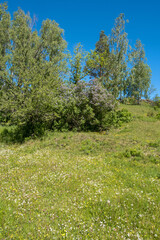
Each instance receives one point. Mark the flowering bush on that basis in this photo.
(84, 106)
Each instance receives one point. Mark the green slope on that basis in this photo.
(84, 185)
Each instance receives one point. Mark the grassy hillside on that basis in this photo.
(84, 185)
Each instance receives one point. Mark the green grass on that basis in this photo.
(84, 185)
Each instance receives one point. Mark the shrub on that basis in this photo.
(84, 107)
(124, 115)
(125, 100)
(117, 118)
(132, 100)
(21, 132)
(156, 102)
(158, 116)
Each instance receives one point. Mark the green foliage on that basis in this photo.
(122, 70)
(158, 175)
(150, 91)
(108, 61)
(20, 133)
(78, 64)
(133, 153)
(33, 73)
(156, 102)
(154, 144)
(117, 118)
(158, 116)
(98, 63)
(83, 106)
(4, 43)
(124, 115)
(140, 74)
(129, 100)
(150, 114)
(34, 94)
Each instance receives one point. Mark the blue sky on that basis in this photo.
(83, 20)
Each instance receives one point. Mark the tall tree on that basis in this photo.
(99, 61)
(103, 51)
(35, 67)
(77, 64)
(108, 62)
(140, 75)
(4, 42)
(119, 47)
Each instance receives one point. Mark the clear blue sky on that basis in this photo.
(83, 20)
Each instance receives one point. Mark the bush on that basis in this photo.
(158, 116)
(84, 107)
(156, 102)
(132, 100)
(21, 132)
(124, 115)
(125, 100)
(117, 118)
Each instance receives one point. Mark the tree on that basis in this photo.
(35, 69)
(108, 62)
(119, 47)
(77, 64)
(4, 42)
(140, 75)
(149, 93)
(99, 61)
(4, 53)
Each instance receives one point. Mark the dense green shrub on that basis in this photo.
(132, 100)
(79, 107)
(117, 118)
(158, 116)
(21, 132)
(156, 102)
(83, 106)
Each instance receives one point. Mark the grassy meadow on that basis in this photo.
(84, 185)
